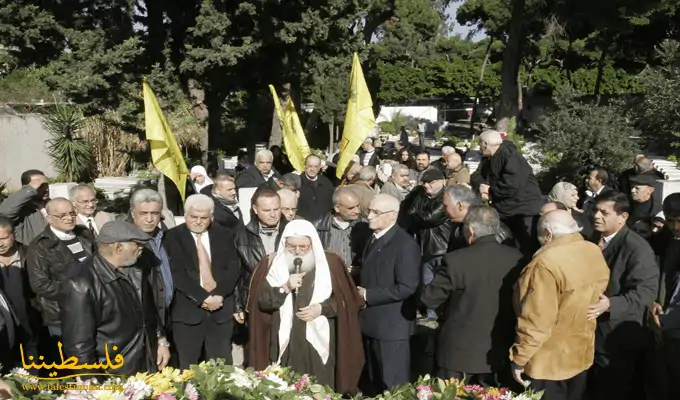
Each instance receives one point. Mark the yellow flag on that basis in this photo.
(165, 153)
(294, 139)
(359, 118)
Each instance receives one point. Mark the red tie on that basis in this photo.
(602, 243)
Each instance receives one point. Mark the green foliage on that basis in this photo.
(398, 120)
(657, 115)
(71, 154)
(578, 135)
(24, 86)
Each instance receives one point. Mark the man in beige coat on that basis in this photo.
(84, 199)
(555, 339)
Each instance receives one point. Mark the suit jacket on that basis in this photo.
(373, 162)
(252, 178)
(189, 295)
(316, 198)
(100, 218)
(633, 285)
(390, 273)
(475, 284)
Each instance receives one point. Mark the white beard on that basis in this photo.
(308, 262)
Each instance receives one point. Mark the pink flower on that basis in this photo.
(191, 392)
(303, 383)
(166, 396)
(475, 389)
(424, 392)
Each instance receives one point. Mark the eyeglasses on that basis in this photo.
(64, 217)
(302, 248)
(288, 209)
(85, 202)
(378, 213)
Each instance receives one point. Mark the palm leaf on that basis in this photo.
(71, 154)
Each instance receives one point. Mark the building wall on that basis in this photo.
(22, 147)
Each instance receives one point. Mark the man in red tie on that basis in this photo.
(205, 269)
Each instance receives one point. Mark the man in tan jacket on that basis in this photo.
(555, 339)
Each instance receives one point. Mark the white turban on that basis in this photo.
(318, 330)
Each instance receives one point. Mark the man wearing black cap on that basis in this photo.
(643, 205)
(425, 216)
(107, 307)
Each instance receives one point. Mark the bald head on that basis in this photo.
(383, 212)
(556, 224)
(57, 205)
(346, 204)
(61, 214)
(453, 160)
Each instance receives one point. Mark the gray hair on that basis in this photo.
(491, 137)
(367, 173)
(397, 168)
(73, 192)
(343, 191)
(292, 180)
(287, 194)
(558, 226)
(222, 177)
(483, 221)
(462, 194)
(391, 203)
(199, 202)
(145, 196)
(264, 153)
(447, 149)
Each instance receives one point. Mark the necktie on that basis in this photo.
(90, 226)
(204, 267)
(602, 243)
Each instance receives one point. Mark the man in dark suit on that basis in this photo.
(261, 174)
(223, 192)
(205, 269)
(476, 284)
(368, 156)
(316, 191)
(621, 311)
(390, 277)
(597, 184)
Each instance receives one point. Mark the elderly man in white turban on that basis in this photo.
(303, 311)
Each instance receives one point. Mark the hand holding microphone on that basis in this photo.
(295, 280)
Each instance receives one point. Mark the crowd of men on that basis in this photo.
(577, 296)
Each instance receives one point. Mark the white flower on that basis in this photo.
(241, 381)
(23, 374)
(135, 389)
(282, 385)
(521, 397)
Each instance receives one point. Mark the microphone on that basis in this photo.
(297, 263)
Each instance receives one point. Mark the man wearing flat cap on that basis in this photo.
(424, 216)
(107, 307)
(643, 207)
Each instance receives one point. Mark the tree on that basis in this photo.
(70, 153)
(576, 136)
(657, 115)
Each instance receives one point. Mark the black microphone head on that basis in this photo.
(297, 262)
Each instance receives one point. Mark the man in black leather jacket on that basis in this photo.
(425, 217)
(107, 307)
(51, 256)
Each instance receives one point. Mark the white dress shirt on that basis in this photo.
(85, 220)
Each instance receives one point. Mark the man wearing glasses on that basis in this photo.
(389, 279)
(84, 201)
(51, 256)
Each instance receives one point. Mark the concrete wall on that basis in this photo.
(22, 147)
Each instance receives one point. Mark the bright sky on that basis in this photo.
(457, 28)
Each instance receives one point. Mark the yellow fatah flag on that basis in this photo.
(165, 153)
(359, 118)
(294, 139)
